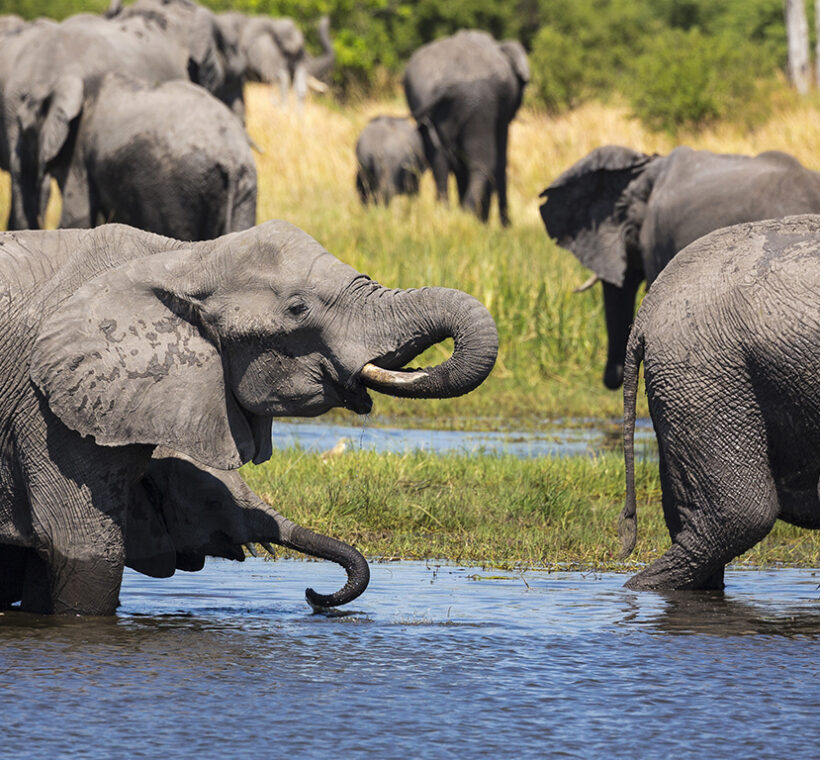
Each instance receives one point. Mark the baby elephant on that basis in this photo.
(169, 159)
(728, 337)
(390, 155)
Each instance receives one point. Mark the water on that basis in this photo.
(569, 440)
(434, 661)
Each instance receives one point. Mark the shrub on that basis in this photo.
(558, 71)
(688, 80)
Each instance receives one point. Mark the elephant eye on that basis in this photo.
(297, 309)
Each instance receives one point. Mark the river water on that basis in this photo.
(433, 661)
(573, 438)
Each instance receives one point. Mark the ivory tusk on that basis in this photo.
(372, 374)
(587, 285)
(316, 85)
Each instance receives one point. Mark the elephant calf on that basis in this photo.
(167, 158)
(390, 156)
(625, 214)
(728, 337)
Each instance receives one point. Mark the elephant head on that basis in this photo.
(197, 348)
(183, 512)
(595, 209)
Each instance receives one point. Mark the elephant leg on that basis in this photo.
(79, 208)
(12, 574)
(719, 495)
(619, 312)
(479, 150)
(501, 172)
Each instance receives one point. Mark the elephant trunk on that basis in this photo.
(301, 539)
(422, 318)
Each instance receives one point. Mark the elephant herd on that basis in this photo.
(463, 91)
(133, 111)
(143, 364)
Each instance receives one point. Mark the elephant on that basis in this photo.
(119, 341)
(390, 158)
(274, 51)
(728, 338)
(625, 214)
(465, 90)
(183, 511)
(167, 158)
(151, 41)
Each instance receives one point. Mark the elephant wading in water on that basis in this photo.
(390, 157)
(625, 215)
(464, 91)
(728, 338)
(118, 341)
(167, 158)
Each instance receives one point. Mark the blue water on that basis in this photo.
(433, 661)
(557, 440)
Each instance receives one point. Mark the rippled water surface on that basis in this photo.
(572, 439)
(433, 661)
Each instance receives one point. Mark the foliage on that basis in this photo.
(688, 80)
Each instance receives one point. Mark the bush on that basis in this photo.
(558, 71)
(688, 80)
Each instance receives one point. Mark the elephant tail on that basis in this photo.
(628, 520)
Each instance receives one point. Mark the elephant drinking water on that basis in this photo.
(117, 341)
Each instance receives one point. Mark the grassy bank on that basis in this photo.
(552, 341)
(500, 511)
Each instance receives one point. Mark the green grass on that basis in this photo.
(493, 510)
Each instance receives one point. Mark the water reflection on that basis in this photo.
(580, 438)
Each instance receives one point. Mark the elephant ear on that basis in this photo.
(583, 209)
(204, 65)
(65, 105)
(514, 50)
(123, 359)
(264, 58)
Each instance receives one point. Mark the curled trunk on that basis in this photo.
(420, 319)
(184, 511)
(321, 66)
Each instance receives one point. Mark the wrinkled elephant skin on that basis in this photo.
(118, 341)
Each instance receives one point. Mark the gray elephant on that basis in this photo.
(274, 52)
(625, 214)
(390, 159)
(41, 91)
(465, 90)
(167, 158)
(182, 512)
(118, 341)
(728, 338)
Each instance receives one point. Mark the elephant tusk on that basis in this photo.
(316, 85)
(587, 285)
(377, 376)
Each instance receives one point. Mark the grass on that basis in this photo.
(553, 342)
(495, 510)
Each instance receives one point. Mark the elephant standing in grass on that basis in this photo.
(390, 157)
(464, 91)
(118, 341)
(625, 214)
(728, 337)
(44, 91)
(167, 158)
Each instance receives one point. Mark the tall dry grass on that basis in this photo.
(552, 342)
